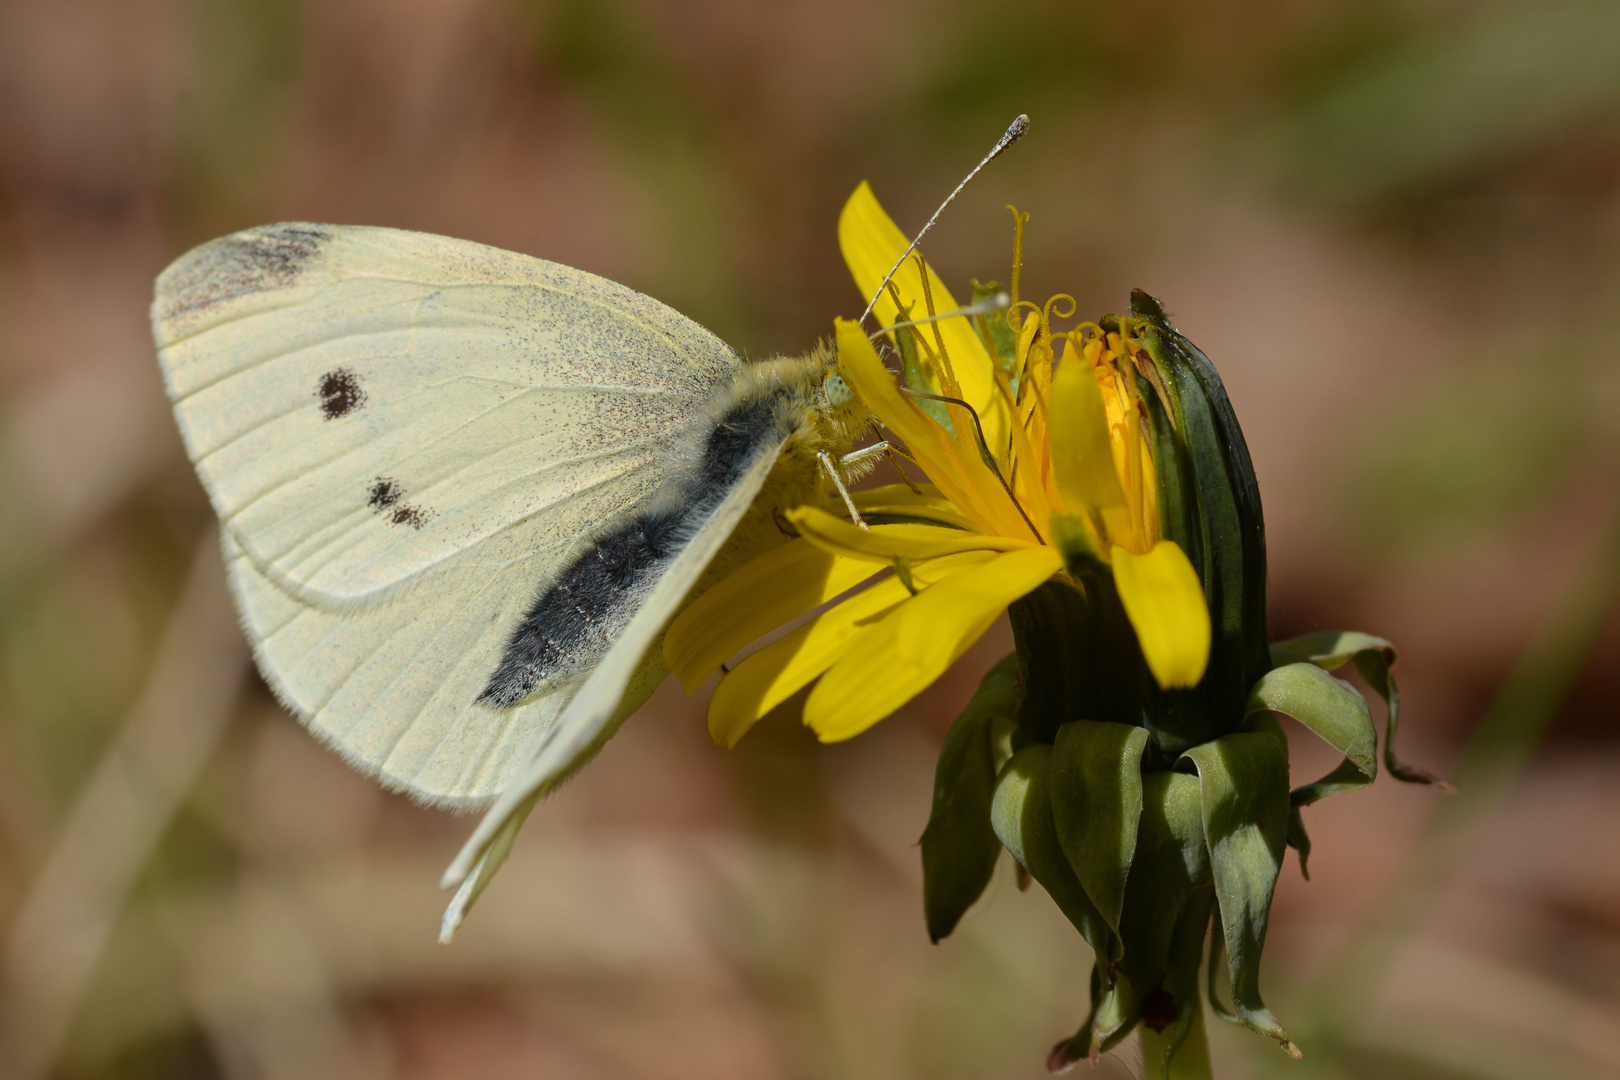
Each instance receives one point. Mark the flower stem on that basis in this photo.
(1192, 1057)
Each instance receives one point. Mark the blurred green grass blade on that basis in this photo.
(120, 816)
(674, 191)
(1441, 105)
(237, 114)
(1478, 446)
(1494, 757)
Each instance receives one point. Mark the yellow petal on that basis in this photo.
(1082, 452)
(1165, 603)
(755, 599)
(1027, 467)
(891, 662)
(871, 242)
(769, 677)
(765, 679)
(964, 479)
(886, 543)
(898, 500)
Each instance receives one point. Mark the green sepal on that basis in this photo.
(1243, 783)
(1021, 813)
(1216, 515)
(1097, 804)
(1374, 658)
(1079, 654)
(1212, 972)
(1168, 902)
(1077, 1047)
(1333, 711)
(1181, 983)
(959, 846)
(1167, 908)
(1300, 841)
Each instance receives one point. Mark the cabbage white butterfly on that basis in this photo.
(462, 490)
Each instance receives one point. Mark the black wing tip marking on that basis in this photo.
(254, 260)
(340, 393)
(575, 618)
(385, 497)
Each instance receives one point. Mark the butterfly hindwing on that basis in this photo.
(591, 715)
(393, 685)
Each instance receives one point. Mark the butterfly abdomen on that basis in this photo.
(579, 615)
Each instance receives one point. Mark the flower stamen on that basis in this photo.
(1019, 221)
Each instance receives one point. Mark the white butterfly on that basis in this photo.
(462, 491)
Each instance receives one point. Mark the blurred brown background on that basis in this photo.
(1394, 224)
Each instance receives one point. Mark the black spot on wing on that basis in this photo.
(408, 515)
(579, 616)
(384, 497)
(340, 393)
(384, 493)
(255, 260)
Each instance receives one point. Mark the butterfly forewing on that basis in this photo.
(408, 440)
(365, 404)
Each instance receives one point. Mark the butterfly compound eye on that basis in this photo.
(836, 390)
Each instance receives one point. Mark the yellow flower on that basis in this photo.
(1039, 460)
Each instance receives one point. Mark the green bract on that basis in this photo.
(1155, 818)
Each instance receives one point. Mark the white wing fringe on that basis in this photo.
(473, 885)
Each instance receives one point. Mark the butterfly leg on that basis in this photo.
(838, 482)
(864, 454)
(885, 448)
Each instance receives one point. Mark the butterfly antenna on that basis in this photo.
(1014, 132)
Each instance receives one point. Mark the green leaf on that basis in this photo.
(1022, 815)
(1169, 898)
(1243, 781)
(959, 846)
(1374, 658)
(1097, 804)
(1331, 709)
